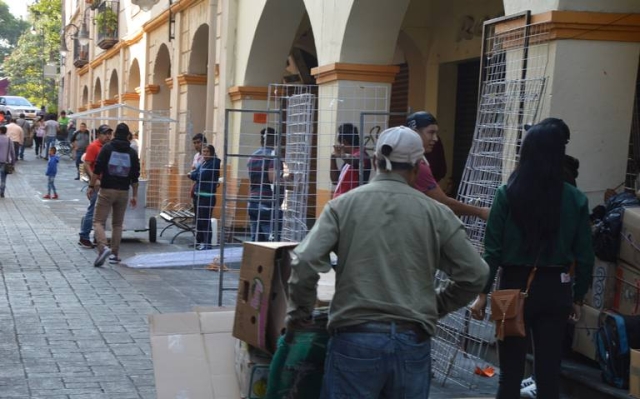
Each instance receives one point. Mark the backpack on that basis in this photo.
(616, 335)
(119, 164)
(606, 236)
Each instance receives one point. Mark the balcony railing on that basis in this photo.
(106, 20)
(80, 54)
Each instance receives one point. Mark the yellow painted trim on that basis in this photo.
(95, 105)
(237, 93)
(82, 109)
(355, 72)
(580, 25)
(129, 96)
(169, 83)
(152, 89)
(192, 79)
(110, 101)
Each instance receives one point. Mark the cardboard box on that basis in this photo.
(584, 336)
(262, 301)
(630, 239)
(634, 374)
(602, 291)
(252, 371)
(627, 293)
(193, 355)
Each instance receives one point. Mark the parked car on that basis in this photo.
(14, 106)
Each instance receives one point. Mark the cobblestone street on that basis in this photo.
(68, 329)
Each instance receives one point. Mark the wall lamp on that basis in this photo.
(81, 34)
(145, 5)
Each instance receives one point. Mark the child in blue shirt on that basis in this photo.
(52, 170)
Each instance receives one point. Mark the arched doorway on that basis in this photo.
(112, 93)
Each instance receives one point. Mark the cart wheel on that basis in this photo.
(153, 229)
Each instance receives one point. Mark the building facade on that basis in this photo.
(196, 58)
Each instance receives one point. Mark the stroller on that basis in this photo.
(63, 147)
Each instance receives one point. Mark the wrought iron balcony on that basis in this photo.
(80, 54)
(106, 20)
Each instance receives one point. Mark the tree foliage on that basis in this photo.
(35, 48)
(10, 30)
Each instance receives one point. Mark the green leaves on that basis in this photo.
(25, 63)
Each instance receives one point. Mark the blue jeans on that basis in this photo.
(79, 154)
(48, 143)
(52, 185)
(377, 365)
(203, 219)
(3, 178)
(262, 222)
(21, 152)
(87, 222)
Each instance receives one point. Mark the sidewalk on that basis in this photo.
(70, 330)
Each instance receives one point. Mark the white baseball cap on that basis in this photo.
(404, 146)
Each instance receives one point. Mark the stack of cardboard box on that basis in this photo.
(615, 286)
(260, 312)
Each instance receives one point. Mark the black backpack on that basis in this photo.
(616, 335)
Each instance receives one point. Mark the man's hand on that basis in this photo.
(133, 201)
(484, 213)
(90, 191)
(478, 307)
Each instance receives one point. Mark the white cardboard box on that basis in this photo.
(252, 371)
(193, 355)
(585, 332)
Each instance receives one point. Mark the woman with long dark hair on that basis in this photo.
(538, 220)
(206, 176)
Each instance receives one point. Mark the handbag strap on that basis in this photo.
(532, 274)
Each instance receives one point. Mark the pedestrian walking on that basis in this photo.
(538, 227)
(118, 168)
(38, 132)
(22, 122)
(390, 240)
(52, 171)
(7, 157)
(16, 135)
(80, 141)
(91, 155)
(51, 128)
(206, 178)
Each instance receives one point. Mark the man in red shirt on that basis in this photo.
(426, 126)
(348, 149)
(91, 155)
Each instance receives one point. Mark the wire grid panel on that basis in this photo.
(512, 85)
(311, 116)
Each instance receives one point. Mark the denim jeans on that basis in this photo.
(79, 154)
(87, 221)
(21, 152)
(48, 143)
(110, 199)
(262, 222)
(37, 143)
(51, 186)
(3, 178)
(377, 365)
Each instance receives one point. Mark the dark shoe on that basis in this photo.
(84, 243)
(114, 260)
(55, 196)
(46, 196)
(77, 178)
(102, 256)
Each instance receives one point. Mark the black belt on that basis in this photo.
(384, 328)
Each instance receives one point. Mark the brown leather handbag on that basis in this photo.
(507, 310)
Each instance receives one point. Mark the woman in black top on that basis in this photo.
(206, 176)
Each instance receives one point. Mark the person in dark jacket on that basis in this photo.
(206, 177)
(118, 168)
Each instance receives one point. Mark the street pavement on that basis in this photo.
(70, 330)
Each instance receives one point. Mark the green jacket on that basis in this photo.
(503, 241)
(390, 240)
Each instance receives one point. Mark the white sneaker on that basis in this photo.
(529, 391)
(526, 382)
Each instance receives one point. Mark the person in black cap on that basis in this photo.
(91, 155)
(119, 168)
(426, 125)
